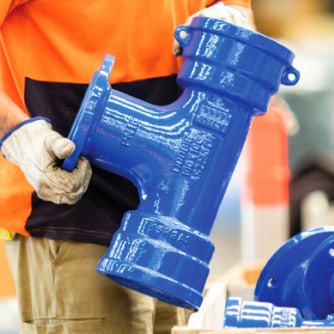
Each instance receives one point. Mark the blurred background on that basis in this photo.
(301, 132)
(307, 28)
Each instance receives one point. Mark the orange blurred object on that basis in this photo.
(267, 173)
(7, 287)
(265, 184)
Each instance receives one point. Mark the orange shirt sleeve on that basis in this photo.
(6, 6)
(4, 9)
(243, 3)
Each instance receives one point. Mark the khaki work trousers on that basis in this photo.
(59, 292)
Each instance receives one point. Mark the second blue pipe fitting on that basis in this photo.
(295, 287)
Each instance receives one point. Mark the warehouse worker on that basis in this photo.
(64, 221)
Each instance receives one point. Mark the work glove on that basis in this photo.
(218, 11)
(37, 150)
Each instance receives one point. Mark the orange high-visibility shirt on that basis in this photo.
(49, 51)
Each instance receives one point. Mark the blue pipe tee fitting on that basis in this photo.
(180, 156)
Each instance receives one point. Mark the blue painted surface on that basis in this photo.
(301, 274)
(250, 314)
(295, 287)
(180, 156)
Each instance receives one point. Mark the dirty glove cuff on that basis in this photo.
(7, 134)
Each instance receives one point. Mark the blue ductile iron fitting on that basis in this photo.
(300, 274)
(295, 287)
(180, 156)
(254, 314)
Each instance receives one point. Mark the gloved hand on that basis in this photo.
(36, 149)
(218, 11)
